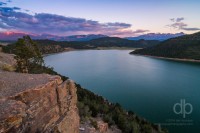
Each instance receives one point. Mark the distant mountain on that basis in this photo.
(10, 36)
(83, 37)
(156, 36)
(13, 36)
(184, 47)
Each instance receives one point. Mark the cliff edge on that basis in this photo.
(37, 103)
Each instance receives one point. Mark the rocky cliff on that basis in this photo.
(37, 103)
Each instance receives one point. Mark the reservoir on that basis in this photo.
(162, 91)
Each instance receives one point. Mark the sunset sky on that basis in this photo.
(121, 18)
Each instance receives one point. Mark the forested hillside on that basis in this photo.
(184, 47)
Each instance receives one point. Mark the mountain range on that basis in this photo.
(13, 36)
(156, 36)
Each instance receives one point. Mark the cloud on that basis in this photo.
(126, 33)
(177, 19)
(13, 19)
(2, 3)
(140, 31)
(172, 19)
(180, 25)
(8, 9)
(191, 29)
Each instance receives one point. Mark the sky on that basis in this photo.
(122, 18)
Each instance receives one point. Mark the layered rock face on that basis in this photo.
(37, 103)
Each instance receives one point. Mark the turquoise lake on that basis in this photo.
(152, 88)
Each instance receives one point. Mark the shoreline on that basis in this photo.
(115, 48)
(172, 59)
(98, 48)
(124, 48)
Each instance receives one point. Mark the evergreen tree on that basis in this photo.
(28, 55)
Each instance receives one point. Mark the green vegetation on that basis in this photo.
(28, 56)
(50, 48)
(92, 105)
(184, 47)
(44, 48)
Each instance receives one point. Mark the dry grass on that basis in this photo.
(7, 67)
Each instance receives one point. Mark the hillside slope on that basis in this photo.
(183, 47)
(120, 42)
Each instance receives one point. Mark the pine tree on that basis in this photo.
(28, 55)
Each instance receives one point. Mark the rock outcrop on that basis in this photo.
(102, 126)
(37, 103)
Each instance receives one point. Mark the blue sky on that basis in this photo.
(111, 17)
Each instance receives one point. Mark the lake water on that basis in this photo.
(150, 87)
